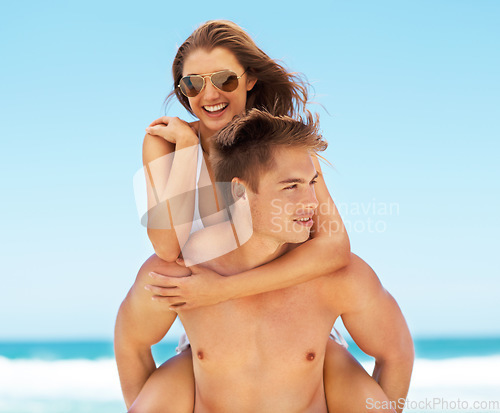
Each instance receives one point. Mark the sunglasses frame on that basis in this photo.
(203, 76)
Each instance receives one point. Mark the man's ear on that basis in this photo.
(238, 189)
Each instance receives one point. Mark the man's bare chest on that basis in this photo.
(279, 326)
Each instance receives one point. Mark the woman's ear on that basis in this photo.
(251, 81)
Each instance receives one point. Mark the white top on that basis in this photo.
(197, 222)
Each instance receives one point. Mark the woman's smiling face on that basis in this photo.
(213, 107)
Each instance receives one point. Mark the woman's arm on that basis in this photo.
(170, 158)
(327, 251)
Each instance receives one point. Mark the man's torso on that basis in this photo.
(262, 353)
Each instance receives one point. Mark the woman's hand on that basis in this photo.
(203, 287)
(175, 130)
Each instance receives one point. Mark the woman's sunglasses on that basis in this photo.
(225, 80)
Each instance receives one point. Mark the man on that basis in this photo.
(265, 353)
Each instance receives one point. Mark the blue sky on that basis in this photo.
(411, 90)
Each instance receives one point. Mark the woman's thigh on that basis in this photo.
(170, 389)
(348, 387)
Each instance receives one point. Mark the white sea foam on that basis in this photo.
(466, 378)
(71, 379)
(474, 377)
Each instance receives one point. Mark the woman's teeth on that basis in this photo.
(215, 108)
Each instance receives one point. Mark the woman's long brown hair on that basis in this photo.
(276, 91)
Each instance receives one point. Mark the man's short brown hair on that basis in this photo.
(245, 148)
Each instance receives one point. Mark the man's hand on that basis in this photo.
(203, 287)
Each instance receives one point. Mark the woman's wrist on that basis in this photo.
(228, 288)
(187, 140)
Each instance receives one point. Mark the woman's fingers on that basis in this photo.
(163, 119)
(164, 280)
(156, 130)
(173, 130)
(172, 302)
(165, 295)
(162, 291)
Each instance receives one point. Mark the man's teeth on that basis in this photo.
(302, 219)
(215, 108)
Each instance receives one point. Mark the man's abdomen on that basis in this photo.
(262, 353)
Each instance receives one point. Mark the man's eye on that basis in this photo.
(314, 182)
(291, 186)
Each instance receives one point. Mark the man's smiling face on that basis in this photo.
(285, 204)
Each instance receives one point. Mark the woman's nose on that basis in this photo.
(211, 92)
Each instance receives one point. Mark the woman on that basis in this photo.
(220, 73)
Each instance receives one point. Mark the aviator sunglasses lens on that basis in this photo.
(191, 85)
(226, 81)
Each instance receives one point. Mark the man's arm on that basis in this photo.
(375, 322)
(141, 322)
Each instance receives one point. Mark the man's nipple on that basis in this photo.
(311, 356)
(200, 354)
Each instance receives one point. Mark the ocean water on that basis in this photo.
(450, 375)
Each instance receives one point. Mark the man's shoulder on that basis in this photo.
(353, 284)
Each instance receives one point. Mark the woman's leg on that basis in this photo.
(170, 389)
(348, 387)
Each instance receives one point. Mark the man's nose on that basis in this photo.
(310, 201)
